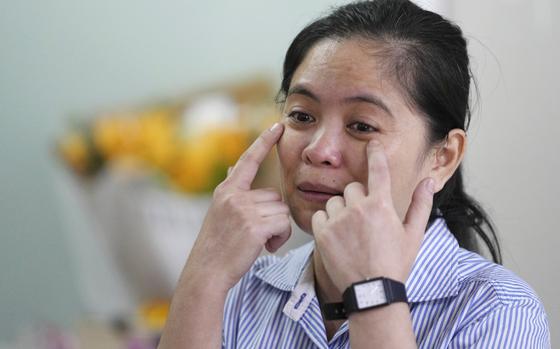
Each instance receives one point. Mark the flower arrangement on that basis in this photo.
(145, 178)
(188, 145)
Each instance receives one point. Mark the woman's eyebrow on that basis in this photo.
(367, 98)
(300, 90)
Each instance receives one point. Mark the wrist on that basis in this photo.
(205, 283)
(366, 295)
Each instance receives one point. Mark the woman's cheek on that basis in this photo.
(288, 147)
(404, 178)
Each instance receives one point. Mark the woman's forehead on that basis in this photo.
(338, 70)
(347, 64)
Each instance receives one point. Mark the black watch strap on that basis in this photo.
(334, 311)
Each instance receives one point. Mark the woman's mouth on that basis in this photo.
(315, 192)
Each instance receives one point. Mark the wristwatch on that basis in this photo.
(364, 295)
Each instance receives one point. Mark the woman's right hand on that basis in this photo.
(240, 221)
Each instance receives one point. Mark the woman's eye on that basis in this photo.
(362, 127)
(301, 117)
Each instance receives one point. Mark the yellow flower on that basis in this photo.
(74, 150)
(158, 138)
(194, 166)
(231, 143)
(203, 159)
(116, 135)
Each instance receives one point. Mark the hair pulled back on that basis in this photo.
(427, 55)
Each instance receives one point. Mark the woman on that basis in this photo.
(375, 107)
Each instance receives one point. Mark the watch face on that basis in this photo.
(370, 294)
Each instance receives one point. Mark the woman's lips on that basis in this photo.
(317, 192)
(315, 196)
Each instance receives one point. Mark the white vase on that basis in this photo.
(128, 237)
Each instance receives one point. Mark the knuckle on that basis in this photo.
(387, 204)
(354, 186)
(337, 200)
(319, 236)
(382, 205)
(251, 229)
(334, 202)
(228, 199)
(286, 225)
(349, 188)
(219, 190)
(233, 200)
(316, 216)
(360, 211)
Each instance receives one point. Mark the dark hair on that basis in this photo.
(428, 56)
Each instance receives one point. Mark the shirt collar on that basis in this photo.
(434, 274)
(284, 273)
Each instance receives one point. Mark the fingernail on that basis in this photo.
(374, 143)
(274, 127)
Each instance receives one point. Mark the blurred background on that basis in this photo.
(106, 168)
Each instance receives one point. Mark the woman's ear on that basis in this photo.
(448, 157)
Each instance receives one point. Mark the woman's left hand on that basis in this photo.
(360, 235)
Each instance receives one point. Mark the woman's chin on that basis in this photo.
(303, 221)
(302, 212)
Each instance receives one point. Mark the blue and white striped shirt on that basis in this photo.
(457, 300)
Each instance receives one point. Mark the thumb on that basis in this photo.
(420, 208)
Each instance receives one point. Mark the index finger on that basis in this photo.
(379, 177)
(245, 170)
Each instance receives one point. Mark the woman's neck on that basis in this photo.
(324, 287)
(326, 293)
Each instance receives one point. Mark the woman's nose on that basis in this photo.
(323, 150)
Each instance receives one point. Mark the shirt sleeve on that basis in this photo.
(235, 302)
(232, 309)
(523, 325)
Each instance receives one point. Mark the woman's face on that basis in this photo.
(340, 98)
